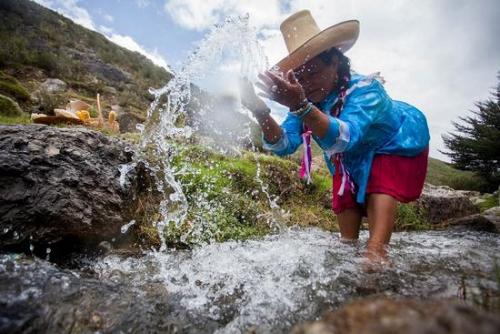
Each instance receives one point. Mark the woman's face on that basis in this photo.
(317, 78)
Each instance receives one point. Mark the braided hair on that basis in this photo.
(343, 74)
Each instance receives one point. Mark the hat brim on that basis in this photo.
(342, 36)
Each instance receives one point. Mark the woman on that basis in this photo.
(376, 148)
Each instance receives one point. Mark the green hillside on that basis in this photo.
(38, 43)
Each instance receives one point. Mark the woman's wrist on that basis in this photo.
(303, 102)
(305, 109)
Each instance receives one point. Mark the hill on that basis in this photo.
(38, 43)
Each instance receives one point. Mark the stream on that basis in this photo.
(265, 285)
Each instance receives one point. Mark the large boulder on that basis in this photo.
(488, 221)
(388, 316)
(37, 297)
(441, 203)
(53, 86)
(65, 185)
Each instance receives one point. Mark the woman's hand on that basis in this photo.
(250, 100)
(286, 91)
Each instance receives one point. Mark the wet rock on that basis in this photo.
(128, 121)
(488, 221)
(62, 185)
(493, 215)
(383, 315)
(53, 86)
(36, 297)
(441, 203)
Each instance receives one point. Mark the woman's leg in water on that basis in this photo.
(381, 212)
(349, 223)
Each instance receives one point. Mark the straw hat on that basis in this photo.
(304, 40)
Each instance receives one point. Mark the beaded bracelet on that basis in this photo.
(303, 111)
(307, 111)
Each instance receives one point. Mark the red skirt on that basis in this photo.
(400, 177)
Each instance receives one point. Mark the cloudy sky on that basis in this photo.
(439, 55)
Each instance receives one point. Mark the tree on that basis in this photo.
(475, 145)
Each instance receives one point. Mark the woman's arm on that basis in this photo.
(270, 128)
(318, 122)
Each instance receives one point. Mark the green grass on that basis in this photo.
(12, 120)
(227, 201)
(410, 218)
(440, 173)
(490, 202)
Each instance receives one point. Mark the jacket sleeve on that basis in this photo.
(363, 107)
(291, 137)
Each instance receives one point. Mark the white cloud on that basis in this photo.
(439, 56)
(129, 43)
(72, 10)
(105, 29)
(109, 18)
(200, 15)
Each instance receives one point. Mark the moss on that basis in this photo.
(9, 107)
(13, 88)
(312, 214)
(490, 201)
(227, 201)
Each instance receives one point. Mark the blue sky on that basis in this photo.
(149, 24)
(439, 55)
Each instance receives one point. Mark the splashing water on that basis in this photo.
(295, 276)
(125, 227)
(231, 46)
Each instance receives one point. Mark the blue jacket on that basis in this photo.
(370, 123)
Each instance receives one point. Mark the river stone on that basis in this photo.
(389, 316)
(488, 221)
(441, 203)
(38, 297)
(62, 185)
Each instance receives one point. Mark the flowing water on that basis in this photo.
(265, 285)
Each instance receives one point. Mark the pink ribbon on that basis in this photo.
(305, 165)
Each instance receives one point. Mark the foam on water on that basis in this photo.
(294, 276)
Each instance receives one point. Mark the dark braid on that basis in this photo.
(343, 74)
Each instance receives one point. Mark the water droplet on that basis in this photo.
(139, 127)
(125, 227)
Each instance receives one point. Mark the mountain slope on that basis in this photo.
(38, 43)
